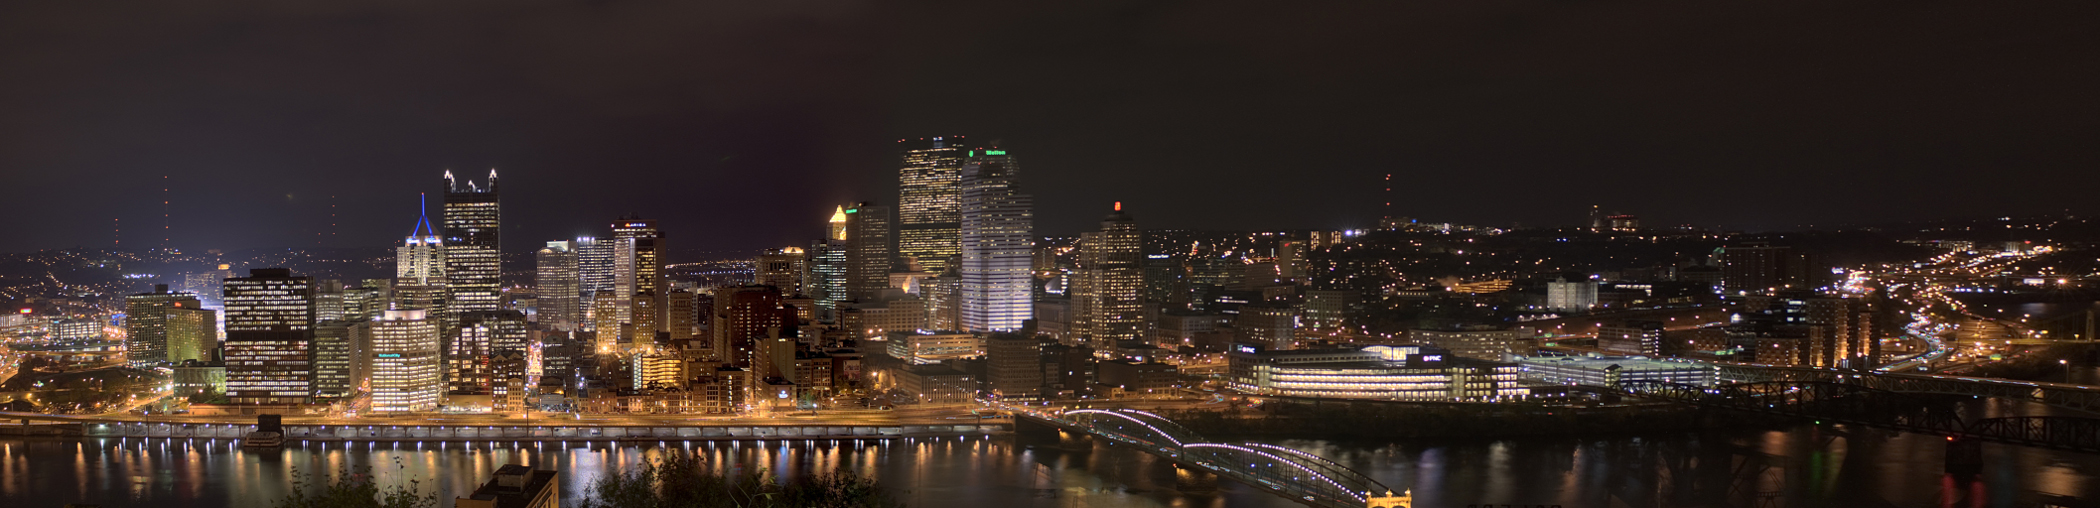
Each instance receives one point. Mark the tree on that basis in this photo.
(354, 489)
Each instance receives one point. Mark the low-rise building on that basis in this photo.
(1371, 372)
(928, 347)
(937, 384)
(1484, 344)
(1605, 371)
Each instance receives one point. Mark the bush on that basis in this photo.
(354, 489)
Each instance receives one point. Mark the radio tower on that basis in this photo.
(118, 241)
(165, 235)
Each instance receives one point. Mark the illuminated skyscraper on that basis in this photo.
(405, 370)
(473, 261)
(998, 241)
(827, 267)
(269, 337)
(420, 269)
(929, 204)
(156, 331)
(556, 281)
(637, 268)
(868, 251)
(1106, 285)
(742, 315)
(594, 273)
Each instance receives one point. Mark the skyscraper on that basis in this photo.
(637, 269)
(473, 261)
(868, 251)
(269, 337)
(929, 213)
(998, 241)
(827, 267)
(556, 280)
(1106, 285)
(781, 268)
(420, 268)
(153, 332)
(594, 273)
(405, 371)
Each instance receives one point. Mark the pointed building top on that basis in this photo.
(839, 215)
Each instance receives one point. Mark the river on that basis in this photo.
(1804, 466)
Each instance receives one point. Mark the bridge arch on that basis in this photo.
(1296, 474)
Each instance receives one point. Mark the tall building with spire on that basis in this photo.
(998, 242)
(869, 251)
(421, 266)
(827, 267)
(473, 261)
(1106, 308)
(929, 201)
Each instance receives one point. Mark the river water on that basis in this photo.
(1805, 466)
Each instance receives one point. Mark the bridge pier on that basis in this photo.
(1194, 481)
(1964, 458)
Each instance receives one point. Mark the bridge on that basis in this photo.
(1864, 404)
(2068, 396)
(1303, 477)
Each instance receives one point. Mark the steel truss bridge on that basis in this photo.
(2069, 396)
(1862, 404)
(1300, 476)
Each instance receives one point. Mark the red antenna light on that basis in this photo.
(1119, 206)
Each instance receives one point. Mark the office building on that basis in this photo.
(1485, 343)
(998, 241)
(471, 360)
(782, 268)
(152, 332)
(828, 267)
(1014, 367)
(934, 347)
(1641, 338)
(943, 296)
(193, 377)
(1841, 333)
(1374, 372)
(405, 365)
(681, 316)
(869, 250)
(1106, 306)
(269, 337)
(556, 278)
(473, 262)
(1608, 371)
(420, 266)
(1273, 325)
(1563, 295)
(929, 204)
(208, 285)
(936, 384)
(333, 375)
(742, 316)
(1765, 268)
(637, 272)
(594, 273)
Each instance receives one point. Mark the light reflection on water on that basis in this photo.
(1806, 466)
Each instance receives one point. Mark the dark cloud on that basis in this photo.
(739, 124)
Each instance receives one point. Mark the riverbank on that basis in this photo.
(1386, 420)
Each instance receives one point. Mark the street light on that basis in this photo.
(2067, 369)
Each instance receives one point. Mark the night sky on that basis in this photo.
(740, 125)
